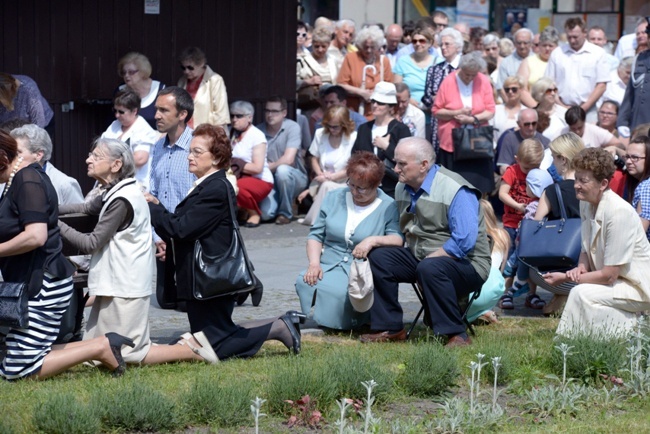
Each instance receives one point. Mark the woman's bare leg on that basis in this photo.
(61, 359)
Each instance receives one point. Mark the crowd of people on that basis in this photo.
(373, 152)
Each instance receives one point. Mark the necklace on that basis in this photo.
(11, 176)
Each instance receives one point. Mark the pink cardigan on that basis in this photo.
(448, 97)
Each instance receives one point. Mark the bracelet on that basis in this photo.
(476, 121)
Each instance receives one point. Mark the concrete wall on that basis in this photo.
(361, 11)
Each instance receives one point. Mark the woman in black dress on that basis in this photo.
(30, 252)
(205, 214)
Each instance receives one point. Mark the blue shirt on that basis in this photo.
(171, 179)
(462, 216)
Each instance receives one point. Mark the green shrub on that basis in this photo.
(61, 413)
(296, 377)
(347, 367)
(213, 400)
(590, 357)
(136, 407)
(429, 370)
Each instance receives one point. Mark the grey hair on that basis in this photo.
(626, 63)
(527, 110)
(455, 35)
(344, 22)
(373, 33)
(422, 149)
(472, 61)
(540, 87)
(549, 34)
(490, 38)
(37, 139)
(524, 30)
(118, 150)
(243, 107)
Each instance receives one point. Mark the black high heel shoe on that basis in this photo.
(292, 320)
(116, 341)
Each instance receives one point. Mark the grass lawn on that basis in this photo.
(421, 387)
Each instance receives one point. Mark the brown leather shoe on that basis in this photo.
(384, 337)
(458, 341)
(282, 220)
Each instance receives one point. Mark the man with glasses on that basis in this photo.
(285, 160)
(510, 65)
(170, 179)
(580, 69)
(527, 129)
(593, 136)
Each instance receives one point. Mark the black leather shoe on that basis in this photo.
(116, 341)
(293, 319)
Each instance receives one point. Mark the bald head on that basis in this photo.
(393, 35)
(414, 156)
(527, 122)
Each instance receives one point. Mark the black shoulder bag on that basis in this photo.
(228, 273)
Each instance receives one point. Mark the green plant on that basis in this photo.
(256, 407)
(216, 401)
(61, 413)
(429, 370)
(552, 400)
(136, 407)
(592, 355)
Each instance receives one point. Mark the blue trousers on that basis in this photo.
(289, 182)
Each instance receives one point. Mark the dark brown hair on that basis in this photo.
(8, 149)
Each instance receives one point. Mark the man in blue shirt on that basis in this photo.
(170, 175)
(447, 251)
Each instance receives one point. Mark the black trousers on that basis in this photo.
(443, 279)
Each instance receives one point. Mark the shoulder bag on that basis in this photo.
(551, 244)
(228, 273)
(473, 143)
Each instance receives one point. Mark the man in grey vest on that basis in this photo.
(447, 251)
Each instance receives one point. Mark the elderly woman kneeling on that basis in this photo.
(352, 221)
(613, 274)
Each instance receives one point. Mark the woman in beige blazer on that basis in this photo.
(613, 273)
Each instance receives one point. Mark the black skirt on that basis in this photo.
(479, 173)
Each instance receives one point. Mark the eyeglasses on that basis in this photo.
(237, 116)
(272, 112)
(188, 67)
(633, 158)
(374, 101)
(130, 72)
(523, 43)
(96, 157)
(301, 35)
(530, 124)
(334, 127)
(354, 187)
(119, 111)
(607, 113)
(440, 25)
(422, 41)
(511, 89)
(197, 152)
(550, 91)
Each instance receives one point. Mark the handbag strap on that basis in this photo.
(560, 201)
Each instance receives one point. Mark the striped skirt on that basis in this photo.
(26, 348)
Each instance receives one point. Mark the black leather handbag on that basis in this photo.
(473, 143)
(13, 305)
(551, 244)
(224, 274)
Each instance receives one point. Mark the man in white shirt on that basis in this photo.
(596, 36)
(579, 69)
(407, 113)
(510, 65)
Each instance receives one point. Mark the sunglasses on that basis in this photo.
(129, 72)
(188, 67)
(301, 35)
(419, 41)
(119, 111)
(511, 89)
(530, 124)
(377, 102)
(550, 91)
(237, 116)
(440, 25)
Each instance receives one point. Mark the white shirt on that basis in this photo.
(557, 125)
(576, 73)
(465, 91)
(501, 122)
(594, 136)
(615, 90)
(331, 159)
(141, 137)
(414, 119)
(244, 149)
(626, 46)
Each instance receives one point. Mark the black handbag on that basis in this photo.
(473, 143)
(551, 244)
(224, 274)
(13, 305)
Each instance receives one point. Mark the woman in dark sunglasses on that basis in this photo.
(135, 70)
(206, 88)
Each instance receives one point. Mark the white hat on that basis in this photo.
(384, 92)
(361, 285)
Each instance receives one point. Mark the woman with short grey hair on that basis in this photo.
(363, 69)
(532, 68)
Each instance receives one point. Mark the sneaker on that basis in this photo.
(519, 289)
(508, 271)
